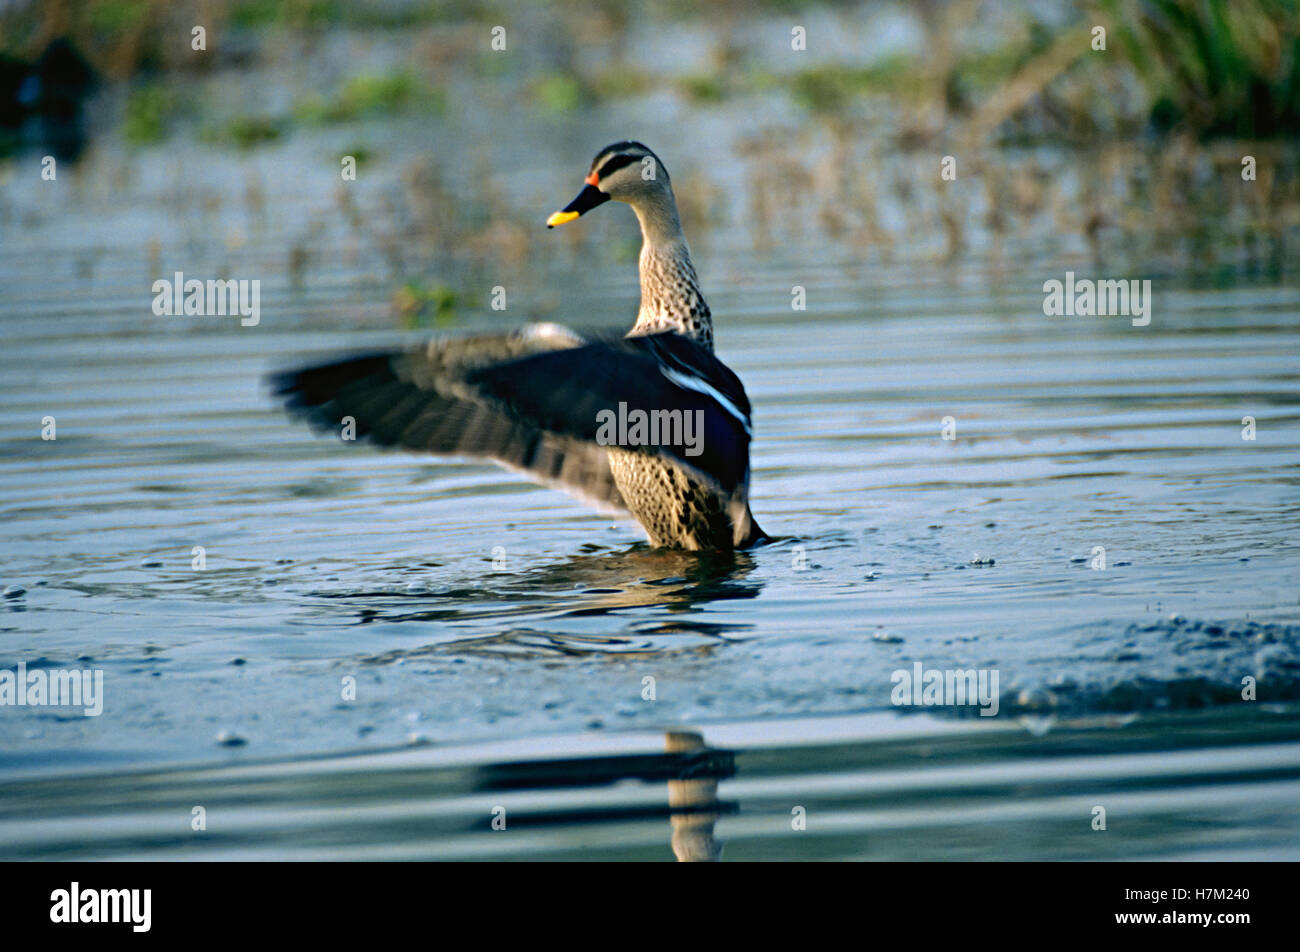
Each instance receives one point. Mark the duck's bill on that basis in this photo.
(587, 199)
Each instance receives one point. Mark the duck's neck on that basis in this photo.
(671, 299)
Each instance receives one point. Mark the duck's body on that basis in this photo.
(539, 400)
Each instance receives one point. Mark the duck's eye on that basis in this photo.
(614, 164)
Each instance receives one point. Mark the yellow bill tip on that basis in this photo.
(560, 218)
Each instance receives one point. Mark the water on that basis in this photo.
(491, 623)
(1218, 786)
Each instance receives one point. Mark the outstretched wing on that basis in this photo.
(532, 400)
(420, 400)
(576, 391)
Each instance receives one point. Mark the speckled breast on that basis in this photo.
(674, 509)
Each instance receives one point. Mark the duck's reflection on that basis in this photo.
(643, 576)
(587, 584)
(690, 767)
(689, 801)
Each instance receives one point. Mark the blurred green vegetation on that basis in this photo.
(148, 110)
(362, 14)
(1206, 68)
(833, 130)
(1217, 67)
(361, 153)
(556, 92)
(245, 132)
(423, 305)
(702, 89)
(832, 88)
(151, 106)
(117, 16)
(368, 95)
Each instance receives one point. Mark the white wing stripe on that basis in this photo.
(701, 386)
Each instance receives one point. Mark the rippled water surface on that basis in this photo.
(1222, 786)
(473, 608)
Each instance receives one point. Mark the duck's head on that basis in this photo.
(625, 172)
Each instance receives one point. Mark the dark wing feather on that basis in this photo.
(419, 400)
(566, 391)
(531, 401)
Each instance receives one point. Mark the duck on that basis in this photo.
(649, 424)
